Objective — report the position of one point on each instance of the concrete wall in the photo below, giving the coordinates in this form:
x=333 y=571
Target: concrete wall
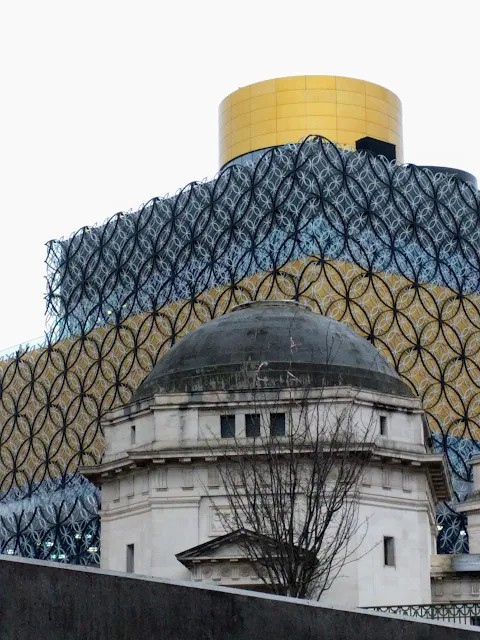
x=44 y=601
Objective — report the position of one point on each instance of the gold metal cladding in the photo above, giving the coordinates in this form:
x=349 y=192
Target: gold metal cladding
x=283 y=110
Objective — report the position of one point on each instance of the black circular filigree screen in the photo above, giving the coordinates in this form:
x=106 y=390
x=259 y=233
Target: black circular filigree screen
x=392 y=251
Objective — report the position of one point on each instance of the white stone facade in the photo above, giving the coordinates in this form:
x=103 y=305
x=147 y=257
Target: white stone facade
x=159 y=477
x=456 y=578
x=452 y=584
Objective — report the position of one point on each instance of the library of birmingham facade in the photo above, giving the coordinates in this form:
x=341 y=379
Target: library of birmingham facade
x=312 y=203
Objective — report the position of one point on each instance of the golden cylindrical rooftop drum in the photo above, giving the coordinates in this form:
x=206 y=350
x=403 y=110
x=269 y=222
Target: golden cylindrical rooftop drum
x=283 y=110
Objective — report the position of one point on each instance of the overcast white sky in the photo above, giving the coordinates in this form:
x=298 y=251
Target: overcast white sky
x=106 y=104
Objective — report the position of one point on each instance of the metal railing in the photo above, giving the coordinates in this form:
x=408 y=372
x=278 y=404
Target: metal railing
x=461 y=613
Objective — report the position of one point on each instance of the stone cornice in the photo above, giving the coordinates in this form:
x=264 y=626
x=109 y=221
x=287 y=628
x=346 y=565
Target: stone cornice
x=388 y=500
x=207 y=400
x=147 y=504
x=470 y=507
x=433 y=463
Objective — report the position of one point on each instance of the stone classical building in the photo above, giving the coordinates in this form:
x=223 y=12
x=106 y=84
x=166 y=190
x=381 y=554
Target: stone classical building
x=456 y=577
x=163 y=500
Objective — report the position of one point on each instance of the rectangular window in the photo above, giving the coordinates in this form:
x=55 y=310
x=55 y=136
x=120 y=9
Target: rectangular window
x=252 y=425
x=388 y=551
x=130 y=558
x=133 y=434
x=227 y=426
x=383 y=425
x=277 y=424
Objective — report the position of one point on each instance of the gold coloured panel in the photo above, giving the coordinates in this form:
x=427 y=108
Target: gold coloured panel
x=341 y=109
x=426 y=320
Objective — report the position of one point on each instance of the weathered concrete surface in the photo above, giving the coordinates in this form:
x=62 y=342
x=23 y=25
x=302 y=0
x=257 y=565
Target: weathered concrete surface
x=45 y=601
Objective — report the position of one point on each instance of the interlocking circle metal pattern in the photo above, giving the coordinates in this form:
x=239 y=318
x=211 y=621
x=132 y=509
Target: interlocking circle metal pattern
x=392 y=251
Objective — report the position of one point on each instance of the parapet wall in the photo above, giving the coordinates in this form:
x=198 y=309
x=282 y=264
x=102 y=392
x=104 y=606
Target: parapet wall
x=43 y=601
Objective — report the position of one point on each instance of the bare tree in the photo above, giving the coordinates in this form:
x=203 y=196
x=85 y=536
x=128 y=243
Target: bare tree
x=293 y=491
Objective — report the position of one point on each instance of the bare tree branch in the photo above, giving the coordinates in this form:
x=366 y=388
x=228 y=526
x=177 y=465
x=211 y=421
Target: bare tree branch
x=298 y=491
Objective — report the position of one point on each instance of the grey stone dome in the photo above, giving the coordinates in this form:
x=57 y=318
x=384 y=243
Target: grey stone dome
x=259 y=342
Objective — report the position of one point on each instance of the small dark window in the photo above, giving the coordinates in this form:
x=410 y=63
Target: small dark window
x=388 y=551
x=227 y=426
x=252 y=425
x=277 y=424
x=130 y=558
x=383 y=425
x=475 y=622
x=133 y=435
